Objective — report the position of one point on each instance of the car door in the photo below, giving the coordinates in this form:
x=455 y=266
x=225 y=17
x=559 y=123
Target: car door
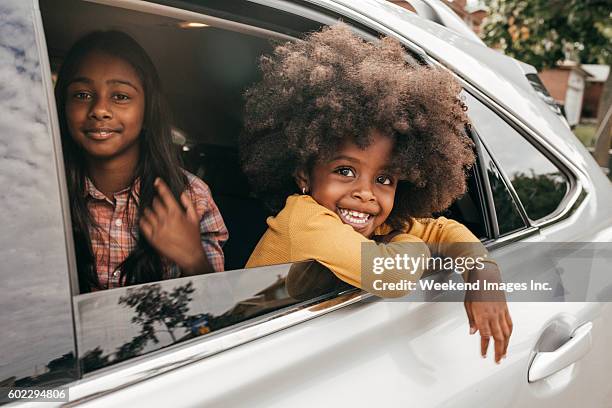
x=541 y=186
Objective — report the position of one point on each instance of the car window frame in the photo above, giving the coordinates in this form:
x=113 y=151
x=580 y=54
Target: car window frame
x=176 y=12
x=575 y=186
x=482 y=152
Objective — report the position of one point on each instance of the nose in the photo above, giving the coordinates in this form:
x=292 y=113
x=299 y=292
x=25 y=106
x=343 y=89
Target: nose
x=364 y=192
x=100 y=110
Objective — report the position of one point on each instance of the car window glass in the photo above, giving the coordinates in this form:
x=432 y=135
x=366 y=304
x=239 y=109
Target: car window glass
x=539 y=184
x=119 y=324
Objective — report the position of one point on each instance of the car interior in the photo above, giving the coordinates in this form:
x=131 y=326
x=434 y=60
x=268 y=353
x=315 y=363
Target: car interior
x=205 y=69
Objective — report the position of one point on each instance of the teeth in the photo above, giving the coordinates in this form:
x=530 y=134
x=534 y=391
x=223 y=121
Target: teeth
x=101 y=133
x=354 y=217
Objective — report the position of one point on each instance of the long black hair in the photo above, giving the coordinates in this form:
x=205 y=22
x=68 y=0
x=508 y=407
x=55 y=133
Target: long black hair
x=158 y=158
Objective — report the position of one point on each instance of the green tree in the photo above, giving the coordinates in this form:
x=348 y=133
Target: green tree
x=540 y=194
x=544 y=32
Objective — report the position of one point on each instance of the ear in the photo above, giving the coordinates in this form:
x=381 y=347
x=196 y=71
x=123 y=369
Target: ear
x=301 y=179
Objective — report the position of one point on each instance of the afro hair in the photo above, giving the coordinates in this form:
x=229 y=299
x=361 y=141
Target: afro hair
x=333 y=85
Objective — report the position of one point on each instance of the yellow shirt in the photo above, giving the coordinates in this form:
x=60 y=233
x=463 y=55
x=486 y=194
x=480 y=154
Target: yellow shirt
x=304 y=230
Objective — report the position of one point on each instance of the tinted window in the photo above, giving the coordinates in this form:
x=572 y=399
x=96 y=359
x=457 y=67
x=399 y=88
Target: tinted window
x=118 y=324
x=37 y=344
x=469 y=209
x=539 y=184
x=508 y=215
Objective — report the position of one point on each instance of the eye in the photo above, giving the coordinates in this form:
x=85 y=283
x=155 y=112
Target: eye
x=386 y=180
x=345 y=171
x=82 y=96
x=121 y=97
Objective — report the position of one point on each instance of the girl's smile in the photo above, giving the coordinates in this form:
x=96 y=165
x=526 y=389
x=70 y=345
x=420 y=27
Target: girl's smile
x=356 y=183
x=361 y=222
x=100 y=134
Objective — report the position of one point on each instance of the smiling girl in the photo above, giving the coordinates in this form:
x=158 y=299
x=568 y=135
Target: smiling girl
x=137 y=216
x=349 y=144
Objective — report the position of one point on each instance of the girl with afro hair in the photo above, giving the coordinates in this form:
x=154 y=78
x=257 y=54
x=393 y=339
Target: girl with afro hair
x=349 y=144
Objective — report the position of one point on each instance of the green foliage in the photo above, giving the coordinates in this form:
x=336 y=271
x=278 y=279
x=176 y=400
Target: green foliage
x=539 y=193
x=543 y=32
x=586 y=133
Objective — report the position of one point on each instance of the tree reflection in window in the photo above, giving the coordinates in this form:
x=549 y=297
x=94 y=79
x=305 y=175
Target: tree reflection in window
x=158 y=311
x=140 y=319
x=539 y=193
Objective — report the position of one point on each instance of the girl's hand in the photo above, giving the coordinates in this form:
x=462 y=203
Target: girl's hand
x=491 y=319
x=488 y=313
x=175 y=232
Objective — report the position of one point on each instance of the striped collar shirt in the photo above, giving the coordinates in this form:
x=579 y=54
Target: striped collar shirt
x=117 y=229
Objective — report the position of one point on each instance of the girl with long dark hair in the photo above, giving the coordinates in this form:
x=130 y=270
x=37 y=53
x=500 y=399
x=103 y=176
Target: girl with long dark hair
x=137 y=216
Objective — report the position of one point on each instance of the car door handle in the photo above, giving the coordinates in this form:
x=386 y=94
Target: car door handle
x=547 y=363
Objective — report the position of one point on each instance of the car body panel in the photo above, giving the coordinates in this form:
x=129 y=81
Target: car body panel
x=382 y=353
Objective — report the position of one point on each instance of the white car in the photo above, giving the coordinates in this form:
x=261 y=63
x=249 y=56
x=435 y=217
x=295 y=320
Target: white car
x=239 y=339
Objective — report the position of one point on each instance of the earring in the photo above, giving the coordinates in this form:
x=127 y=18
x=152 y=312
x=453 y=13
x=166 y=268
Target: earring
x=304 y=190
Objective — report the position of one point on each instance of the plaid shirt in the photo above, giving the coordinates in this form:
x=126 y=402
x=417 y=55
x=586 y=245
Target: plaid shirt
x=117 y=231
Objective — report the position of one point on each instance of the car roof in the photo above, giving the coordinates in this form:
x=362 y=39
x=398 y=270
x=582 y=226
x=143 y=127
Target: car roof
x=498 y=76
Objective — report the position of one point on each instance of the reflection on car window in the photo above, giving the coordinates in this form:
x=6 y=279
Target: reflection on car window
x=122 y=323
x=37 y=347
x=540 y=185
